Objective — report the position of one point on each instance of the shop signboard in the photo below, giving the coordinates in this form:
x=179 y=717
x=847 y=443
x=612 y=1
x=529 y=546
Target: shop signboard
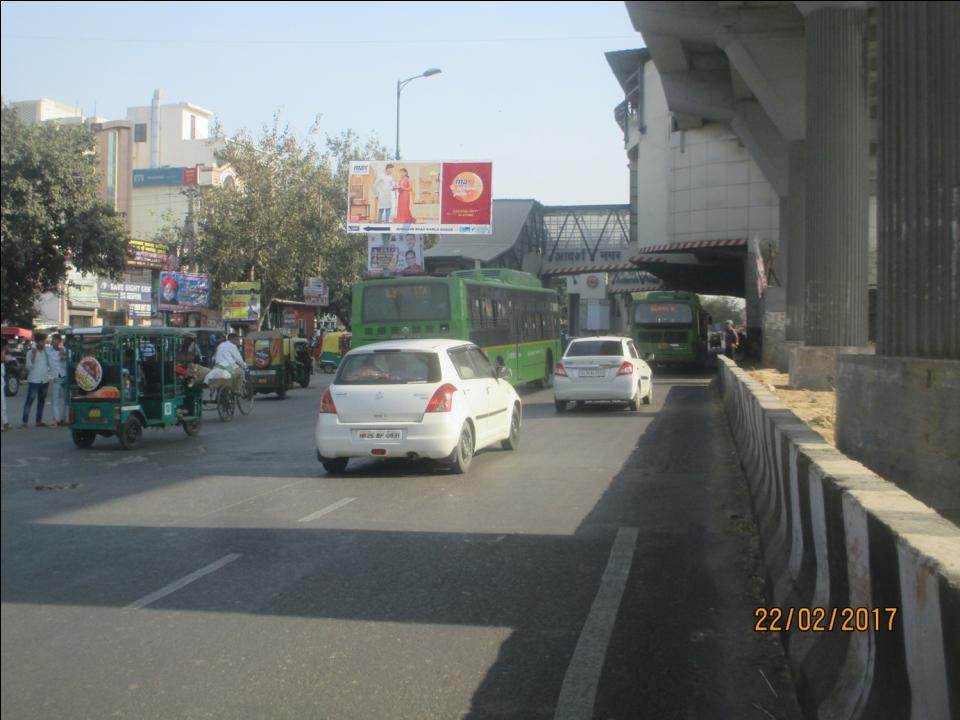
x=316 y=292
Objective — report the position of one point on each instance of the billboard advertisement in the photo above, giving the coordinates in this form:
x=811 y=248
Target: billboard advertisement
x=241 y=301
x=148 y=177
x=394 y=254
x=146 y=254
x=126 y=290
x=316 y=292
x=184 y=292
x=397 y=197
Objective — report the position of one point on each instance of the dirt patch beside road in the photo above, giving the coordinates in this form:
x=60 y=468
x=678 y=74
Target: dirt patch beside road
x=817 y=409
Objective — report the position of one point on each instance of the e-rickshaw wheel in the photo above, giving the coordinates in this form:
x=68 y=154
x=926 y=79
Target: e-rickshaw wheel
x=191 y=427
x=130 y=432
x=305 y=382
x=225 y=404
x=245 y=398
x=83 y=438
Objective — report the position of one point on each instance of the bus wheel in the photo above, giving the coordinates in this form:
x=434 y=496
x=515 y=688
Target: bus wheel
x=547 y=380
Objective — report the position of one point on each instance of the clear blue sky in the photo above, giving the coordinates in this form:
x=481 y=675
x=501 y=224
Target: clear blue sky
x=524 y=84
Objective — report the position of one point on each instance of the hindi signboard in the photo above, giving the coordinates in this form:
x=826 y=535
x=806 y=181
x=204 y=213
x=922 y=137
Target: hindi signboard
x=394 y=254
x=316 y=292
x=146 y=254
x=241 y=301
x=398 y=197
x=184 y=292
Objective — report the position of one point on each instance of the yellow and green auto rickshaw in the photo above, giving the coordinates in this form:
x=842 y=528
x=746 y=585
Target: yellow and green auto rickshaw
x=277 y=361
x=123 y=379
x=335 y=346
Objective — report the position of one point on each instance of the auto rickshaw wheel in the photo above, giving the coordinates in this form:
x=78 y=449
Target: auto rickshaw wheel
x=225 y=404
x=83 y=438
x=191 y=427
x=130 y=432
x=305 y=380
x=282 y=390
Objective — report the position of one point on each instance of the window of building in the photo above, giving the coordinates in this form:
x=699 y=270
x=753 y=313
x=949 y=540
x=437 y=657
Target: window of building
x=140 y=132
x=193 y=127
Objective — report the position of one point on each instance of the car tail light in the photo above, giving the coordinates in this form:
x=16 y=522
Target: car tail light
x=625 y=369
x=561 y=371
x=326 y=404
x=442 y=400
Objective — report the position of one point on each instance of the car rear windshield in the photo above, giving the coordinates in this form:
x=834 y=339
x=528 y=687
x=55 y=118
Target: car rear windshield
x=663 y=314
x=384 y=302
x=583 y=348
x=389 y=368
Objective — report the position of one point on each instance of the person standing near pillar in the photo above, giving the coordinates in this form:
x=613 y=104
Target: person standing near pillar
x=58 y=383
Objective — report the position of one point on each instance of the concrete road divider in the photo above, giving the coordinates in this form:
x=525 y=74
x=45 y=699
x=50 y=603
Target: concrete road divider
x=878 y=569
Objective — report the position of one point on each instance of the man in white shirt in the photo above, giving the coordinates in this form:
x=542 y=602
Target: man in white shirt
x=57 y=357
x=229 y=357
x=383 y=192
x=38 y=379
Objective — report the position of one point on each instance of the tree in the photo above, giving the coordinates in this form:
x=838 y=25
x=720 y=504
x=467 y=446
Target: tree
x=722 y=308
x=52 y=213
x=284 y=218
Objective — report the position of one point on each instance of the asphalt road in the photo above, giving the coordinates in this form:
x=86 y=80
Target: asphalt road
x=608 y=569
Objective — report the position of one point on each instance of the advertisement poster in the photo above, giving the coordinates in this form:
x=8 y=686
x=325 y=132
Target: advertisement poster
x=394 y=254
x=315 y=292
x=126 y=290
x=241 y=301
x=146 y=254
x=82 y=290
x=398 y=197
x=184 y=292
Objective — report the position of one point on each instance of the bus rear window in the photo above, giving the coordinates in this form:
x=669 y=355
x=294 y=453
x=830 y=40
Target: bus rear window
x=405 y=303
x=662 y=314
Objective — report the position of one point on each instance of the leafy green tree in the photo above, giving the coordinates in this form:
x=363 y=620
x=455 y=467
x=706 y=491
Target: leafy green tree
x=722 y=308
x=52 y=213
x=285 y=217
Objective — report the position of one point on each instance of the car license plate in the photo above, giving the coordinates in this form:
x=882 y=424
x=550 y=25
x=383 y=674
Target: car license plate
x=591 y=373
x=386 y=435
x=94 y=412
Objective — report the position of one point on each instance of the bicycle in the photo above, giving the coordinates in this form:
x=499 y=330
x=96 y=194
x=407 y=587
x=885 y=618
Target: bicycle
x=227 y=400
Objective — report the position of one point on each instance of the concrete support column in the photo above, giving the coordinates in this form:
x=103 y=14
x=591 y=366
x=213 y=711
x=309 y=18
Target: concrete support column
x=792 y=229
x=837 y=142
x=918 y=318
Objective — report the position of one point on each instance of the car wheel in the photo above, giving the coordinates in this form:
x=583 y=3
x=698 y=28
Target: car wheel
x=560 y=405
x=648 y=398
x=83 y=438
x=334 y=466
x=513 y=441
x=462 y=454
x=130 y=432
x=634 y=403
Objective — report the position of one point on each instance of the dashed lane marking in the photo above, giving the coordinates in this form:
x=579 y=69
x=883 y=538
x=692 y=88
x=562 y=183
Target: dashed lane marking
x=327 y=510
x=183 y=582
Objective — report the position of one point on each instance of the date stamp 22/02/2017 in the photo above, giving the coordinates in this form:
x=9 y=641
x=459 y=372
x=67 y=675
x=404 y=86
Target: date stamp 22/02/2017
x=818 y=619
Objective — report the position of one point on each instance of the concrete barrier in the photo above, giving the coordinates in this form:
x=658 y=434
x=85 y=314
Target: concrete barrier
x=835 y=535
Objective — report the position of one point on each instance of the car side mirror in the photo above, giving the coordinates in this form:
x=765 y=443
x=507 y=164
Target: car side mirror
x=502 y=372
x=650 y=357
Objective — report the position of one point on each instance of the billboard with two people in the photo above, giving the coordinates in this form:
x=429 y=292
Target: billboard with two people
x=393 y=196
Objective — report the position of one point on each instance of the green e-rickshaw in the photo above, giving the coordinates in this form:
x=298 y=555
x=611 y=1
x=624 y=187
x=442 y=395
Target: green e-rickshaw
x=124 y=379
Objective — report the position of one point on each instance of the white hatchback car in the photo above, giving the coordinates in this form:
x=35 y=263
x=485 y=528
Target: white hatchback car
x=439 y=399
x=607 y=368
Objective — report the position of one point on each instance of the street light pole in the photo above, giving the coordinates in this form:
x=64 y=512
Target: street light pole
x=402 y=84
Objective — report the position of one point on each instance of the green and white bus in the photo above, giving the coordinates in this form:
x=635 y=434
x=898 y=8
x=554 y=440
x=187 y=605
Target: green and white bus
x=506 y=312
x=670 y=324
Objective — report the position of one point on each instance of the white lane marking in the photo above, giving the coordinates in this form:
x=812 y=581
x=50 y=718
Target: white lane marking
x=183 y=582
x=328 y=509
x=579 y=690
x=250 y=499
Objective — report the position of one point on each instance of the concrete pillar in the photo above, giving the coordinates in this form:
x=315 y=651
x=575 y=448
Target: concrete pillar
x=792 y=229
x=837 y=143
x=836 y=203
x=913 y=441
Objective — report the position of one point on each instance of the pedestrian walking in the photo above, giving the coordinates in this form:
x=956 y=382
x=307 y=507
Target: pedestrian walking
x=731 y=340
x=58 y=384
x=4 y=357
x=38 y=379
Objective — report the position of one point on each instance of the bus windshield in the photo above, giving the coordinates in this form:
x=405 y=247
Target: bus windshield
x=663 y=314
x=406 y=302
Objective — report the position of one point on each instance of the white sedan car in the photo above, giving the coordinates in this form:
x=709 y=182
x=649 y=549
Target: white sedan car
x=607 y=369
x=439 y=399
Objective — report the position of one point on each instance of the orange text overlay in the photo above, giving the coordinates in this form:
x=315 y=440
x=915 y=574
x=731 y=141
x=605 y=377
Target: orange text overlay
x=818 y=619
